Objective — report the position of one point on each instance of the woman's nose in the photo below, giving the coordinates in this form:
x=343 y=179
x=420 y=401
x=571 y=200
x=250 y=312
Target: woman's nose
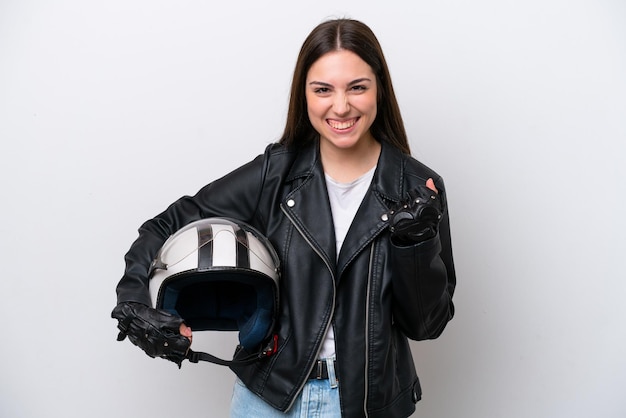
x=341 y=105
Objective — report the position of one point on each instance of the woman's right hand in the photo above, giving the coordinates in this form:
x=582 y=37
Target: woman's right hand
x=152 y=330
x=185 y=331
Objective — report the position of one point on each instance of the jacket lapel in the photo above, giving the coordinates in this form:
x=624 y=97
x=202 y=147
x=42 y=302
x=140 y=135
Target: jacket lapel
x=308 y=206
x=369 y=220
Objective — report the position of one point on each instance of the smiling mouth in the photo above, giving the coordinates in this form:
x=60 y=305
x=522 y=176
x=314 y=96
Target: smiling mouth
x=342 y=125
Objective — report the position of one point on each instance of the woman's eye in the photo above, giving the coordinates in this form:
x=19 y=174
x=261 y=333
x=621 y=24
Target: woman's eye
x=321 y=90
x=359 y=88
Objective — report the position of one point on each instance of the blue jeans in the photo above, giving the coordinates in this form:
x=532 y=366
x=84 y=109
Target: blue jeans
x=319 y=398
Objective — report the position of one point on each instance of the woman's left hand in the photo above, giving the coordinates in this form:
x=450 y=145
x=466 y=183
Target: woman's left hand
x=417 y=218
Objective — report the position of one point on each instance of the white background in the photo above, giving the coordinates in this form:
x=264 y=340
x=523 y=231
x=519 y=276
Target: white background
x=111 y=110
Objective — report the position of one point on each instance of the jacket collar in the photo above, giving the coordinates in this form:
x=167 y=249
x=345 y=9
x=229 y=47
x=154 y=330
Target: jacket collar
x=390 y=162
x=309 y=208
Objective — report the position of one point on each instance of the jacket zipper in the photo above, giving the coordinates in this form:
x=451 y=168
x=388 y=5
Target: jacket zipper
x=367 y=327
x=332 y=312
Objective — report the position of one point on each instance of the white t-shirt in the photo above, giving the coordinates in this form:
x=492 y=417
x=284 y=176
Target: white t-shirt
x=345 y=199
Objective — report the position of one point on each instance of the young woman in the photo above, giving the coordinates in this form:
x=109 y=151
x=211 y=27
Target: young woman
x=362 y=232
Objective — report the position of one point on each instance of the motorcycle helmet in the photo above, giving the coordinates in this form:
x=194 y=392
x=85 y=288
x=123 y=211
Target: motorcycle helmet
x=219 y=274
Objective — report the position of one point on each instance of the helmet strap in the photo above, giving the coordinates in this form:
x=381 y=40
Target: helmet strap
x=270 y=348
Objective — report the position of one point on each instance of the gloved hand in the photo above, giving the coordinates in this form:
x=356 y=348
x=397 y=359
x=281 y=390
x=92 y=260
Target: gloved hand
x=154 y=331
x=416 y=219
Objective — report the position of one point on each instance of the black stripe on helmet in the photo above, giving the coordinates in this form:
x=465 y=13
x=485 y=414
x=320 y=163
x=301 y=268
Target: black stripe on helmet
x=205 y=247
x=243 y=253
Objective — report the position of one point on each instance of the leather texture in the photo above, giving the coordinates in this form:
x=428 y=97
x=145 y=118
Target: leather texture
x=417 y=219
x=375 y=295
x=156 y=332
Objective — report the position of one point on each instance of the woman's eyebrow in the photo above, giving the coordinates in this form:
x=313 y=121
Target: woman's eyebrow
x=353 y=82
x=358 y=80
x=320 y=83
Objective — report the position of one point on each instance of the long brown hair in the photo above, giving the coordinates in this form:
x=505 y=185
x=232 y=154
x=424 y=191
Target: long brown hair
x=355 y=36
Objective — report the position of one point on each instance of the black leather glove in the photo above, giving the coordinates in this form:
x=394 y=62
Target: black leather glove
x=417 y=219
x=154 y=331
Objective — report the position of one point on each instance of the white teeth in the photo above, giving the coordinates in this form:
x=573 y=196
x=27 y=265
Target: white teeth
x=342 y=125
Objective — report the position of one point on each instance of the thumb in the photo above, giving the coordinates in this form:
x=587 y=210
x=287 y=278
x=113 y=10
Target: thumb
x=185 y=331
x=431 y=185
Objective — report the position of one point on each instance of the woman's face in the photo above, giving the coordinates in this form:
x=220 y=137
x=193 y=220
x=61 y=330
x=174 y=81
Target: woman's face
x=341 y=99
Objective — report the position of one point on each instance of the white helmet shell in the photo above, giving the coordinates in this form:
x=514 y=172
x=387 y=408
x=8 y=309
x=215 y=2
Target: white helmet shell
x=219 y=274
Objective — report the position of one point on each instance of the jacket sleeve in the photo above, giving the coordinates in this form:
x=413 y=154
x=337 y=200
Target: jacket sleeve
x=423 y=283
x=234 y=195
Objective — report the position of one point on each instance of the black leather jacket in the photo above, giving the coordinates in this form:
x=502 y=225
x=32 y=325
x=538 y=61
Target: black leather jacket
x=373 y=293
